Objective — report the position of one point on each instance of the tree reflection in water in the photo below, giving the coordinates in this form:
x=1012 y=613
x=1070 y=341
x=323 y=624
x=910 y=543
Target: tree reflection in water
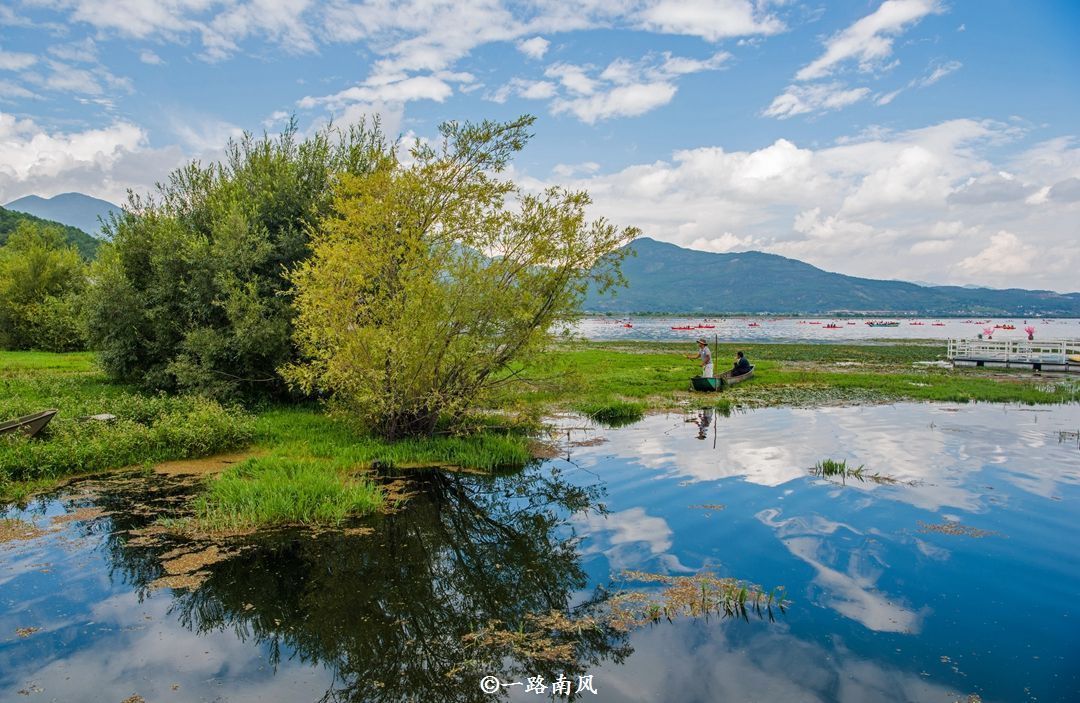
x=390 y=612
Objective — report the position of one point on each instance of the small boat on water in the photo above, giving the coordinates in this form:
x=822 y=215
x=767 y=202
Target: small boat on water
x=882 y=323
x=715 y=383
x=30 y=424
x=687 y=327
x=830 y=326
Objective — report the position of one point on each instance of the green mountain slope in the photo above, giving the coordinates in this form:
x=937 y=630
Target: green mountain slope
x=73 y=209
x=667 y=278
x=9 y=220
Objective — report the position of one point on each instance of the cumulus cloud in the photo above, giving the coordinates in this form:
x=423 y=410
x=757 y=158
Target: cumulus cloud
x=534 y=48
x=1005 y=254
x=621 y=101
x=33 y=160
x=936 y=194
x=870 y=39
x=710 y=19
x=149 y=57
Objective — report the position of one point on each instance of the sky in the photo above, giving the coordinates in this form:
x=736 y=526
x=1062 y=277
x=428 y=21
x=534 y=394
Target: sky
x=922 y=140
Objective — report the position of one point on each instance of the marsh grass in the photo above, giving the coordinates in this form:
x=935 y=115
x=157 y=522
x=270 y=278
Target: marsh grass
x=590 y=376
x=148 y=428
x=612 y=413
x=268 y=491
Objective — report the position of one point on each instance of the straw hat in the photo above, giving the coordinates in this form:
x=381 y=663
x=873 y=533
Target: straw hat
x=701 y=340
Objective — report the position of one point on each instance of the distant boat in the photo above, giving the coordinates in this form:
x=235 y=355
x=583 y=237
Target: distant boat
x=30 y=424
x=687 y=327
x=882 y=323
x=830 y=326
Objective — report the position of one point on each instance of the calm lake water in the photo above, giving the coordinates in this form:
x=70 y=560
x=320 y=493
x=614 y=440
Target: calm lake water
x=959 y=577
x=767 y=329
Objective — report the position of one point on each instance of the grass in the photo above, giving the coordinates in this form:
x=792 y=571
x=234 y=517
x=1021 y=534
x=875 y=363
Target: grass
x=590 y=377
x=266 y=491
x=147 y=428
x=307 y=458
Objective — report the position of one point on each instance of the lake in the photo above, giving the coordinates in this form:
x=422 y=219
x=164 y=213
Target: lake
x=814 y=329
x=945 y=569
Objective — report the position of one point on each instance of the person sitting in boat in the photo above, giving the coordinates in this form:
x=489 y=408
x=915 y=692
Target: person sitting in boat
x=741 y=365
x=705 y=356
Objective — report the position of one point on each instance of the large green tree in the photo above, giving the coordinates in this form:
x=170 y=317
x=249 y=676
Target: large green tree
x=432 y=277
x=192 y=292
x=41 y=277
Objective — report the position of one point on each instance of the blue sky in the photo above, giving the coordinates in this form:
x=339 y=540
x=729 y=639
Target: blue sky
x=917 y=139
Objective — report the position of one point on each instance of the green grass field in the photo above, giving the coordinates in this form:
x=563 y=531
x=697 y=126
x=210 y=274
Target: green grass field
x=311 y=468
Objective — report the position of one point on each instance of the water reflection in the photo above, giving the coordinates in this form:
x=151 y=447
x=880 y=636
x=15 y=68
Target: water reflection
x=386 y=612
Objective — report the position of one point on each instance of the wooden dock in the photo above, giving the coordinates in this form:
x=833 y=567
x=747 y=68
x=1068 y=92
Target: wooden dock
x=1038 y=355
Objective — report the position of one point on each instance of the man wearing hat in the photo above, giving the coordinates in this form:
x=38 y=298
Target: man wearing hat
x=705 y=355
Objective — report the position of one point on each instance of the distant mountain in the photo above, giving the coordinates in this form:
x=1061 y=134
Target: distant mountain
x=87 y=245
x=73 y=209
x=667 y=278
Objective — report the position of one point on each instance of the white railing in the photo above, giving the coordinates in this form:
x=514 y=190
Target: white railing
x=1018 y=350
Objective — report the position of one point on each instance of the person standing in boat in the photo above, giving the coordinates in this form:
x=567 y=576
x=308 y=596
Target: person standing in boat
x=705 y=356
x=741 y=365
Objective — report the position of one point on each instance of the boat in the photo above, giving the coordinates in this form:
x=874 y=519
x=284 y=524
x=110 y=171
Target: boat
x=706 y=327
x=29 y=424
x=882 y=323
x=753 y=324
x=715 y=383
x=830 y=326
x=688 y=327
x=729 y=380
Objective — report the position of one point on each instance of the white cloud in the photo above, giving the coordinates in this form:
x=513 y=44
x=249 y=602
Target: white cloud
x=870 y=39
x=33 y=160
x=385 y=90
x=16 y=61
x=621 y=101
x=534 y=48
x=801 y=99
x=940 y=72
x=624 y=88
x=710 y=19
x=1006 y=255
x=571 y=77
x=149 y=57
x=9 y=90
x=935 y=194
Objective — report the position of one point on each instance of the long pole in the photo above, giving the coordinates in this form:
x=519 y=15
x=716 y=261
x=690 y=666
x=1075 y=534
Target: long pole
x=712 y=354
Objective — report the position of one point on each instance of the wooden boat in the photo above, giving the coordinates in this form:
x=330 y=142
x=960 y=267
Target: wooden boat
x=715 y=383
x=30 y=424
x=729 y=380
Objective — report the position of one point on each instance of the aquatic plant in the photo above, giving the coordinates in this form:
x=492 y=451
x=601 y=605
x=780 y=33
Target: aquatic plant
x=827 y=468
x=614 y=412
x=265 y=491
x=703 y=595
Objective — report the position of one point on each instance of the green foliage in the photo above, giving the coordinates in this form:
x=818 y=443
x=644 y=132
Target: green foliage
x=424 y=286
x=10 y=220
x=41 y=277
x=192 y=293
x=613 y=412
x=267 y=491
x=148 y=428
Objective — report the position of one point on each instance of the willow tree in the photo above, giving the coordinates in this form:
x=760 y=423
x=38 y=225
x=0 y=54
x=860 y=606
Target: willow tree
x=434 y=276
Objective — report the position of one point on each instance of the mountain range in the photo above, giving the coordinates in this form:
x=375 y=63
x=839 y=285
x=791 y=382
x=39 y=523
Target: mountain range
x=73 y=209
x=665 y=278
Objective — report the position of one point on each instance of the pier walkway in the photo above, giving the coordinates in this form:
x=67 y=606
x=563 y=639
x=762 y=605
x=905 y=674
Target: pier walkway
x=1039 y=355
